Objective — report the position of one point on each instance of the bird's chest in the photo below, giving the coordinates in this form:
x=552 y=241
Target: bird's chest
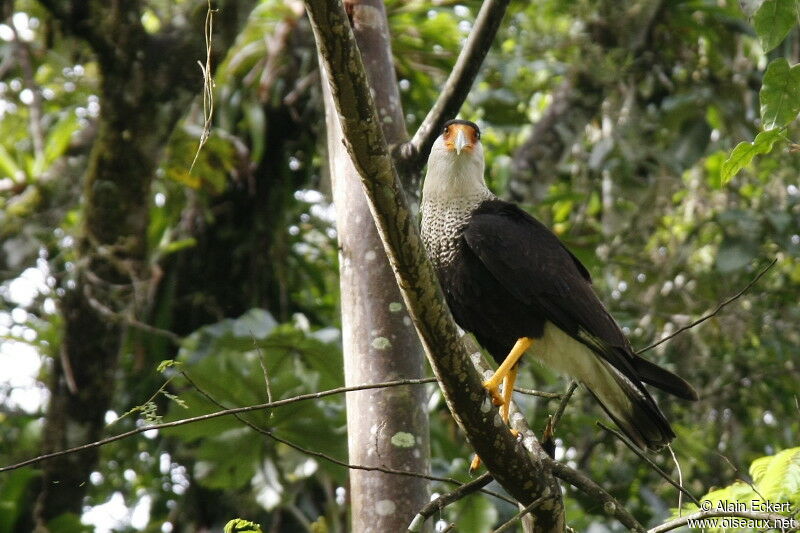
x=443 y=224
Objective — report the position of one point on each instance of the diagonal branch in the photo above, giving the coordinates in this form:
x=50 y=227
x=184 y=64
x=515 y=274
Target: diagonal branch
x=446 y=499
x=458 y=84
x=716 y=310
x=523 y=475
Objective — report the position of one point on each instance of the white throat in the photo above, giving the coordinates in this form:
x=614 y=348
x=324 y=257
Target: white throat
x=452 y=177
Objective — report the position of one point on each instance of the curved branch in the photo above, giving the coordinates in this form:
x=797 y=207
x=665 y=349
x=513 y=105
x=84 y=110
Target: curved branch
x=216 y=414
x=455 y=91
x=716 y=310
x=524 y=475
x=588 y=486
x=446 y=499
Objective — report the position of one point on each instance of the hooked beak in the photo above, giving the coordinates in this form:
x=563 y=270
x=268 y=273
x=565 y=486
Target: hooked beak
x=461 y=141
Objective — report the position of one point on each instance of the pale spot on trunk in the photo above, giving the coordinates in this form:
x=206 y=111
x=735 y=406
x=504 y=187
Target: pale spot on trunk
x=385 y=507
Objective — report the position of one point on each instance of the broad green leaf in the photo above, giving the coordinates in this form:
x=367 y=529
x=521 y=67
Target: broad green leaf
x=778 y=476
x=743 y=154
x=780 y=94
x=773 y=20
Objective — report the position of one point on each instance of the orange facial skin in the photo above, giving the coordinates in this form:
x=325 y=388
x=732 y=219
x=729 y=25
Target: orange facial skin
x=451 y=133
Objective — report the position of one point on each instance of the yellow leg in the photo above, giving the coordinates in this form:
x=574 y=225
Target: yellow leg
x=493 y=383
x=505 y=409
x=508 y=391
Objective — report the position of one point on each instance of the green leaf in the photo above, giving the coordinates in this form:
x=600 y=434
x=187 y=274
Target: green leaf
x=9 y=167
x=240 y=525
x=778 y=476
x=58 y=138
x=773 y=20
x=743 y=154
x=780 y=94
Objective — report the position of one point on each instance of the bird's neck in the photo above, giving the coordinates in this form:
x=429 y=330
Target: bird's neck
x=453 y=188
x=454 y=178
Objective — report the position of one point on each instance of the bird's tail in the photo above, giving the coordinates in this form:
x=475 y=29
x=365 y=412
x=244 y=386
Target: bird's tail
x=630 y=406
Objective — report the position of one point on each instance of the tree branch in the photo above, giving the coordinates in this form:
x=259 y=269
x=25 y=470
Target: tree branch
x=524 y=475
x=658 y=470
x=415 y=152
x=446 y=499
x=716 y=310
x=216 y=414
x=588 y=486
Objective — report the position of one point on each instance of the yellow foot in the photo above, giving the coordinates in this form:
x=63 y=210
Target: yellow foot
x=475 y=464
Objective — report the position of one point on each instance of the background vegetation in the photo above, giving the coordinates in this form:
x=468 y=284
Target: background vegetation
x=613 y=122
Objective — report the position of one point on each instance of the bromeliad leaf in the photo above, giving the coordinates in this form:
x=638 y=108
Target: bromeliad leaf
x=779 y=96
x=773 y=20
x=743 y=154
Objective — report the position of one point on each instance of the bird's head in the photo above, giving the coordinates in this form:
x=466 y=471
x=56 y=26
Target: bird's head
x=455 y=166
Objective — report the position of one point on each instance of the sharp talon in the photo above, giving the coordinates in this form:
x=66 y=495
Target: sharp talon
x=514 y=432
x=475 y=464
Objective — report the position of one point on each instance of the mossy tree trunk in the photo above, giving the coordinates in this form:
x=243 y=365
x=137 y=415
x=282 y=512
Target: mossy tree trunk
x=147 y=83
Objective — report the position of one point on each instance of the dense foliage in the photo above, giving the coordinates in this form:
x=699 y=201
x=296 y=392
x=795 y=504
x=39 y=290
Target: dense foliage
x=673 y=178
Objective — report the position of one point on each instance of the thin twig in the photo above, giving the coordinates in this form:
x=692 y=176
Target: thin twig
x=635 y=449
x=588 y=486
x=217 y=414
x=741 y=478
x=322 y=455
x=458 y=83
x=208 y=83
x=508 y=525
x=446 y=499
x=563 y=405
x=716 y=310
x=780 y=522
x=540 y=394
x=680 y=478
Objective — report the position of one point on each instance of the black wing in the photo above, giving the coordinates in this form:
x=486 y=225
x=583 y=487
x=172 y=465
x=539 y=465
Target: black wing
x=535 y=267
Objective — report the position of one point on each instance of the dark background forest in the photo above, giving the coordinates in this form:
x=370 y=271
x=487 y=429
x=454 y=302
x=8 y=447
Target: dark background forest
x=124 y=243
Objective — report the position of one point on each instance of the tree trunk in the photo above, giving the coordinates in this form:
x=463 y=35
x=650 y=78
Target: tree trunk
x=143 y=94
x=386 y=427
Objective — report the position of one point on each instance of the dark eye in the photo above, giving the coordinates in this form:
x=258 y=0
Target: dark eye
x=444 y=131
x=478 y=135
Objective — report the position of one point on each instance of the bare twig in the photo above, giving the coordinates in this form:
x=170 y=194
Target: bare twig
x=588 y=486
x=776 y=521
x=217 y=414
x=446 y=499
x=508 y=525
x=563 y=405
x=680 y=477
x=208 y=83
x=458 y=83
x=540 y=394
x=635 y=449
x=325 y=456
x=716 y=310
